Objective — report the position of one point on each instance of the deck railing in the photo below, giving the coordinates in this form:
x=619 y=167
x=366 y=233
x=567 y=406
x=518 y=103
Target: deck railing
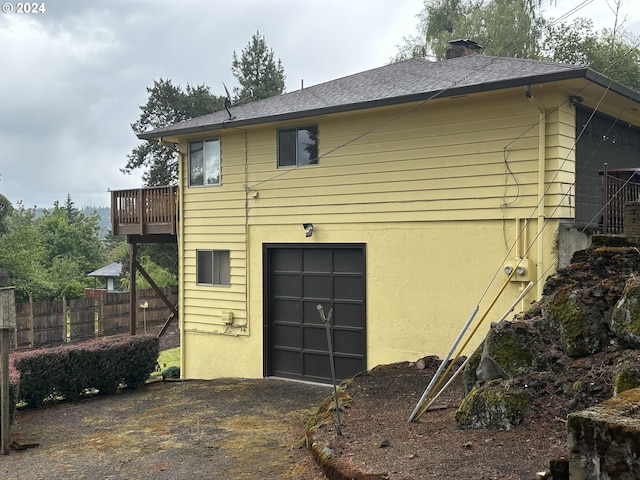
x=144 y=211
x=619 y=186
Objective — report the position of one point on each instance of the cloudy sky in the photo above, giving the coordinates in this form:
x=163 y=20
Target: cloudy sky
x=73 y=77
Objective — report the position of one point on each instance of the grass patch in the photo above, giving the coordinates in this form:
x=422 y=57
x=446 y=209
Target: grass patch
x=166 y=359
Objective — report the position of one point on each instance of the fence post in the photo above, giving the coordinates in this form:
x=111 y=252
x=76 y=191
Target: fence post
x=32 y=327
x=64 y=320
x=7 y=321
x=103 y=299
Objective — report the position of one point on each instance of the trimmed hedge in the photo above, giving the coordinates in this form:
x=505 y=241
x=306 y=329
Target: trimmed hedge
x=70 y=370
x=14 y=382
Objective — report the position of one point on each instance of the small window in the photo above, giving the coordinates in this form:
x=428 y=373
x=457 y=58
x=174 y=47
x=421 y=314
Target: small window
x=204 y=163
x=212 y=267
x=298 y=147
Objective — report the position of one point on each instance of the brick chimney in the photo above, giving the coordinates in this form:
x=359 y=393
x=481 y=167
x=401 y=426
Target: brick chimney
x=462 y=48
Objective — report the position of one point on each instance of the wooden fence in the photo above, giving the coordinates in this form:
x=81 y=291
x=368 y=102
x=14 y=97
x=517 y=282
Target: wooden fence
x=46 y=324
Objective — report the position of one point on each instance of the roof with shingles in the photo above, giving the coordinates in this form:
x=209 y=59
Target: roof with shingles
x=112 y=270
x=408 y=81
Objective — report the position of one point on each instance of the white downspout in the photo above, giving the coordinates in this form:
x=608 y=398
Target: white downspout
x=542 y=156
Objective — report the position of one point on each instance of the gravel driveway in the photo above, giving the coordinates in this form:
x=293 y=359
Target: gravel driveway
x=231 y=429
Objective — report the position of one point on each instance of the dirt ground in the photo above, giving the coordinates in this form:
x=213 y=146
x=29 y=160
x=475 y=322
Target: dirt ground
x=254 y=429
x=227 y=429
x=378 y=442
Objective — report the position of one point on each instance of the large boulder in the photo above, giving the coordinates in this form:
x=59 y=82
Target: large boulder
x=625 y=319
x=514 y=347
x=491 y=406
x=626 y=372
x=579 y=326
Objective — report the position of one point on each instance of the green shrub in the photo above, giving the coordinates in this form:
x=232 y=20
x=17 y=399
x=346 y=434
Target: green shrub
x=14 y=380
x=70 y=370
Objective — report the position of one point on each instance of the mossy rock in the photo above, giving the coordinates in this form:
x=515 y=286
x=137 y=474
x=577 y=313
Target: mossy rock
x=626 y=373
x=625 y=319
x=514 y=346
x=579 y=328
x=492 y=407
x=469 y=377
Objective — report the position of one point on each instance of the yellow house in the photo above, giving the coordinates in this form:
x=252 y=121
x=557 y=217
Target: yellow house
x=397 y=198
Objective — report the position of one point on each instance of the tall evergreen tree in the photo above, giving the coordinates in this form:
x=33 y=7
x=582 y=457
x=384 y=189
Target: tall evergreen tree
x=258 y=74
x=167 y=104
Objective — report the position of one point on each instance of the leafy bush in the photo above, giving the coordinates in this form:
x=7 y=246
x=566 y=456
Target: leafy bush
x=70 y=370
x=14 y=380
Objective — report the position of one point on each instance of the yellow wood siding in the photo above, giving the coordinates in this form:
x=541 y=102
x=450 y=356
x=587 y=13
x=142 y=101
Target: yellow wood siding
x=472 y=160
x=446 y=156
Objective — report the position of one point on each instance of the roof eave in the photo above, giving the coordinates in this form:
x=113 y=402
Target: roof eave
x=569 y=74
x=612 y=85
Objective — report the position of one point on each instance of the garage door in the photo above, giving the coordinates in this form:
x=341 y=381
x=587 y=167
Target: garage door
x=297 y=280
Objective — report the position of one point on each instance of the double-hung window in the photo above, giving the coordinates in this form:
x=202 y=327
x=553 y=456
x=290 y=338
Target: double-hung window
x=204 y=162
x=298 y=146
x=213 y=267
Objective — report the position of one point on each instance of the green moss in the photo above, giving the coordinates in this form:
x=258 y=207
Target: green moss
x=625 y=380
x=626 y=317
x=514 y=356
x=493 y=408
x=580 y=333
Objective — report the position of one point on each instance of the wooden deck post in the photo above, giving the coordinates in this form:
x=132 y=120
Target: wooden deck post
x=133 y=304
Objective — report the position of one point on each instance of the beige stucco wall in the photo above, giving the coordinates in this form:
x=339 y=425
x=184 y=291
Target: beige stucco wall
x=423 y=281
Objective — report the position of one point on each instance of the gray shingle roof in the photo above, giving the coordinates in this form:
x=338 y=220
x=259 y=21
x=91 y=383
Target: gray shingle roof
x=412 y=80
x=112 y=270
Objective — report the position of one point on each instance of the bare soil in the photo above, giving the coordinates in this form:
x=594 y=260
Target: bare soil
x=226 y=429
x=378 y=442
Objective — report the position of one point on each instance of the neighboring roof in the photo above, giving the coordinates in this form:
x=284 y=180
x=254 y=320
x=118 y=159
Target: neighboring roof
x=112 y=270
x=408 y=81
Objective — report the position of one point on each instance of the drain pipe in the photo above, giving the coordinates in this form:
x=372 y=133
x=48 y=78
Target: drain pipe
x=542 y=156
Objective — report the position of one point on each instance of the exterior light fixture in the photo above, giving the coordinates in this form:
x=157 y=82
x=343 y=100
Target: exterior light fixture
x=308 y=229
x=144 y=305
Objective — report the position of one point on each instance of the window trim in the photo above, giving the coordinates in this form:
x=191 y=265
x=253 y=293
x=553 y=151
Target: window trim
x=296 y=130
x=213 y=251
x=203 y=141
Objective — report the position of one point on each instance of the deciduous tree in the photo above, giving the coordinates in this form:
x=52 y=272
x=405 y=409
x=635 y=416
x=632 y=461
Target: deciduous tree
x=612 y=52
x=511 y=28
x=23 y=256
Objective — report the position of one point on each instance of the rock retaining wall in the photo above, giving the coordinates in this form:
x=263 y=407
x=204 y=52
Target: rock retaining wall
x=604 y=440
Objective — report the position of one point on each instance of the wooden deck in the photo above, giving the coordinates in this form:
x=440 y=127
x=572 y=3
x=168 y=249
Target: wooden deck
x=144 y=212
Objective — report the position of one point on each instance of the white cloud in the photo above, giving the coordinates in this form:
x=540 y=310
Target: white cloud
x=73 y=78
